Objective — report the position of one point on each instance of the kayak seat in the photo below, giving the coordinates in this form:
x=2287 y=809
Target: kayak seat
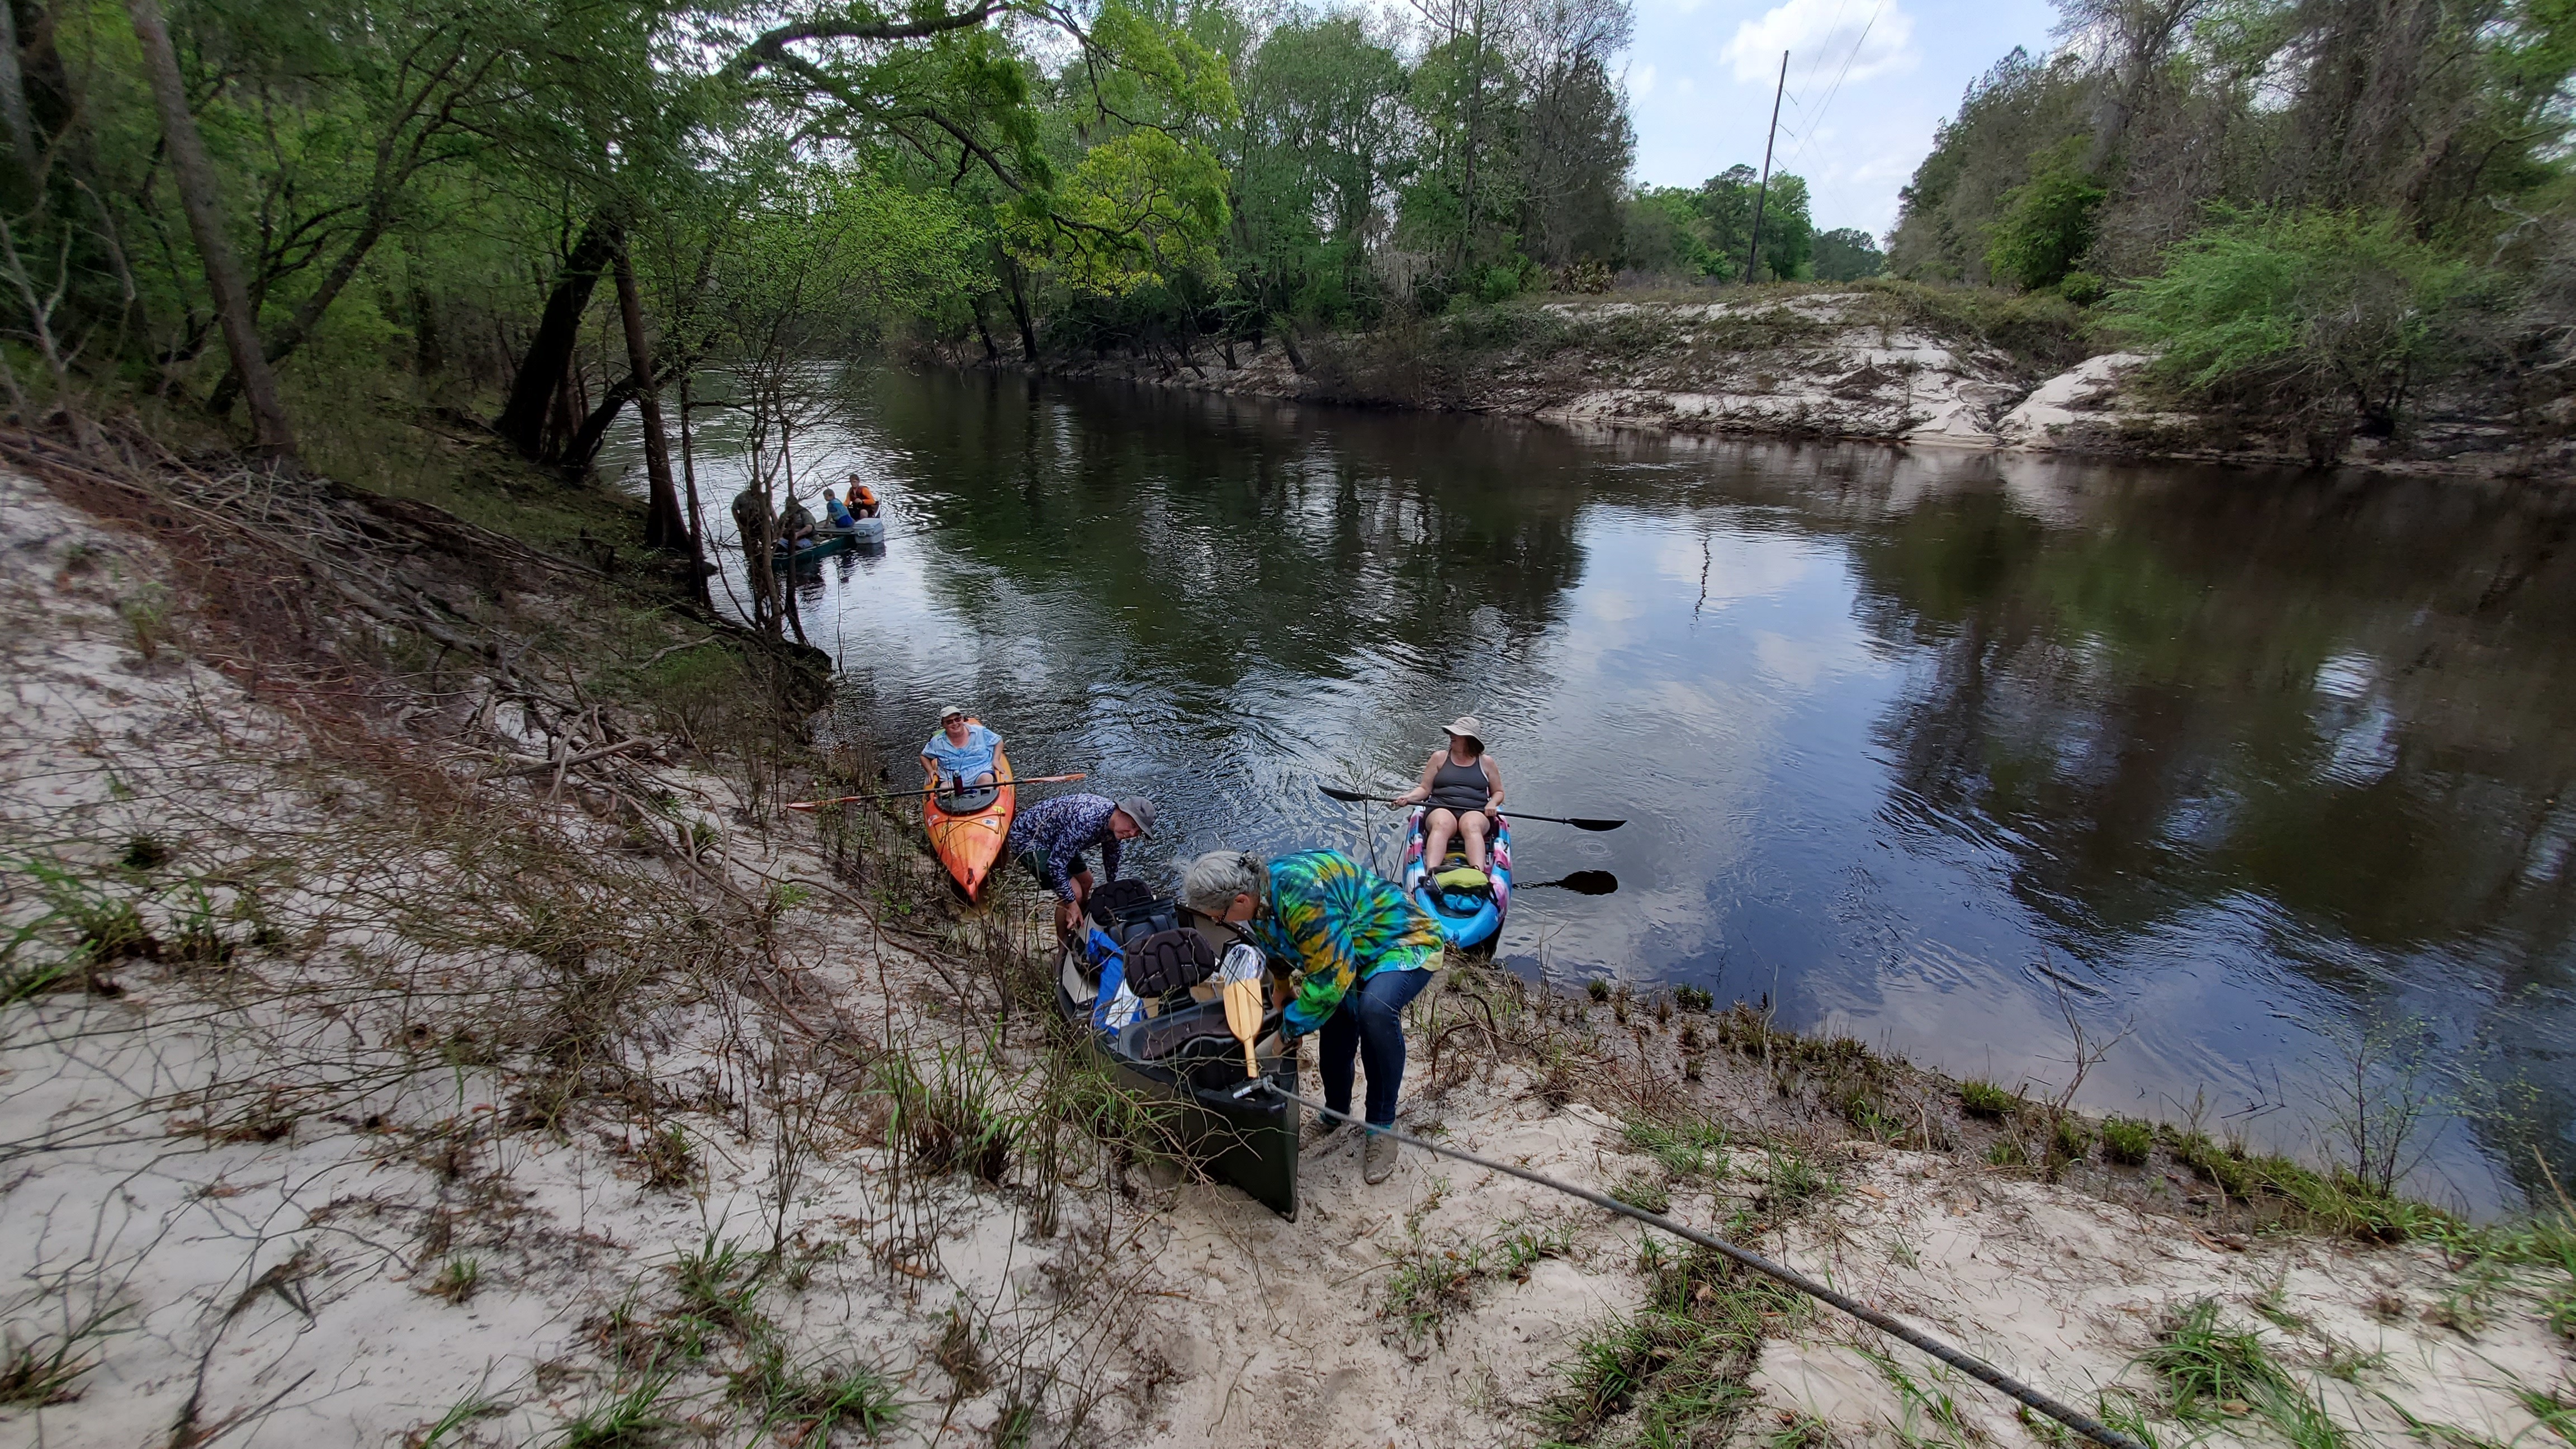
x=969 y=802
x=1122 y=901
x=1196 y=1030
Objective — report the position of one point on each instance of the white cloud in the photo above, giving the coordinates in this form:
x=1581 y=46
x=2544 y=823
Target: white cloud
x=1822 y=37
x=1641 y=81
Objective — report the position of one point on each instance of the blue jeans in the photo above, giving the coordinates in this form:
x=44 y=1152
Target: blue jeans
x=1369 y=1025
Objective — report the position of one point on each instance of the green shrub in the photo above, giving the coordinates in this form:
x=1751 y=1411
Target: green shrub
x=2334 y=317
x=1691 y=998
x=2126 y=1140
x=2081 y=288
x=2074 y=1137
x=1985 y=1099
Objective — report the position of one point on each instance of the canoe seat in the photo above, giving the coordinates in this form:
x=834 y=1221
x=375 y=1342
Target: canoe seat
x=1196 y=1030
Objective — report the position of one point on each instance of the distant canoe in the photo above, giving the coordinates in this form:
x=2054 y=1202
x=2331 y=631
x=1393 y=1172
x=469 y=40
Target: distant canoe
x=869 y=533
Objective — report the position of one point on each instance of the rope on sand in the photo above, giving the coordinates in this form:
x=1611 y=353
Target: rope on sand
x=1965 y=1362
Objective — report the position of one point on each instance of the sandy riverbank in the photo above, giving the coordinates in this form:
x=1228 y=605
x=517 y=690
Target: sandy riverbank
x=376 y=1075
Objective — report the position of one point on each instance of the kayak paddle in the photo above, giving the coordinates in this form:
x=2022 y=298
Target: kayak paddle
x=1243 y=1001
x=1578 y=822
x=1582 y=883
x=933 y=790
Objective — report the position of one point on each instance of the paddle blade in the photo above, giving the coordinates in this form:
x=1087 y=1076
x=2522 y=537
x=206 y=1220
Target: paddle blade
x=1243 y=1018
x=1596 y=824
x=1353 y=796
x=1591 y=883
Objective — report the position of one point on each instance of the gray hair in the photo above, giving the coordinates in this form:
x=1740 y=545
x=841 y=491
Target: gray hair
x=1210 y=883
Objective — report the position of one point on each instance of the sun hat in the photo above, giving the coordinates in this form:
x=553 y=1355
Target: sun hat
x=1468 y=725
x=947 y=711
x=1140 y=810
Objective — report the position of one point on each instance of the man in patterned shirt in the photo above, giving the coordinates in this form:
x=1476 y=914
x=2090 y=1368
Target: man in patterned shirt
x=1049 y=838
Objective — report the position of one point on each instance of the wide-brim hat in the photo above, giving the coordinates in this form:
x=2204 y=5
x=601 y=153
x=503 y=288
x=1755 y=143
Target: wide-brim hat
x=1140 y=810
x=1468 y=725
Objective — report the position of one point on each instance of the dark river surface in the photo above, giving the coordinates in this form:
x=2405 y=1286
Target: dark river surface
x=1929 y=747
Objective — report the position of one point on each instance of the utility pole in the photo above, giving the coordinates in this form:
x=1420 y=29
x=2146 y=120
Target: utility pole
x=1759 y=192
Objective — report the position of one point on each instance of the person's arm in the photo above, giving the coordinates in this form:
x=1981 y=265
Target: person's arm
x=1421 y=790
x=1493 y=786
x=1057 y=860
x=930 y=767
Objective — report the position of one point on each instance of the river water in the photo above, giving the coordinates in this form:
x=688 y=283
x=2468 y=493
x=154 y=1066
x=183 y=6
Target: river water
x=1932 y=748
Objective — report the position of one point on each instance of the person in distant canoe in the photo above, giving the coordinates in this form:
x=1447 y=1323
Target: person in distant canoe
x=1464 y=788
x=751 y=515
x=863 y=499
x=1362 y=950
x=796 y=522
x=1049 y=838
x=960 y=756
x=839 y=512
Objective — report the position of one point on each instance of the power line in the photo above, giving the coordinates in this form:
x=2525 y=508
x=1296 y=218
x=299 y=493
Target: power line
x=1967 y=1363
x=1836 y=88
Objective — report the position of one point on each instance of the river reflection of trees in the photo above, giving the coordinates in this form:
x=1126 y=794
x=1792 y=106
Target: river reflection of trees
x=1223 y=536
x=2351 y=704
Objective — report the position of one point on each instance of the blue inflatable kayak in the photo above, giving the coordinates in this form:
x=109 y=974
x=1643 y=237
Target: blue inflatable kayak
x=1470 y=911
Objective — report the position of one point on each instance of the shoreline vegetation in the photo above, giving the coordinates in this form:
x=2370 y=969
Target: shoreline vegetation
x=424 y=1024
x=1880 y=361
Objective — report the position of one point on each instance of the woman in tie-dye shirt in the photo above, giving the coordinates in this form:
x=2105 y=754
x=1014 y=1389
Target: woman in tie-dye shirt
x=1362 y=950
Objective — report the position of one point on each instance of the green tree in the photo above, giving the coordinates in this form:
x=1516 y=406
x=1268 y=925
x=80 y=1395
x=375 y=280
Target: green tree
x=2334 y=318
x=1847 y=254
x=2045 y=224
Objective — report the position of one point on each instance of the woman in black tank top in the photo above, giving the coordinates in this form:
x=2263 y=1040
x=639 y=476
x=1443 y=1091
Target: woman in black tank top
x=1464 y=788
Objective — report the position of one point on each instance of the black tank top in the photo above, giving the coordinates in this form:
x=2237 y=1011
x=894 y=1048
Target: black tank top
x=1460 y=787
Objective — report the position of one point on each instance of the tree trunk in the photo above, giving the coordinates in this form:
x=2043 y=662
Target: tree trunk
x=1020 y=314
x=565 y=426
x=292 y=335
x=13 y=108
x=271 y=434
x=664 y=528
x=689 y=478
x=532 y=394
x=991 y=352
x=586 y=437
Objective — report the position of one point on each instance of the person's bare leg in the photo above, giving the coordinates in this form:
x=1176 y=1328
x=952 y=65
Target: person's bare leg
x=1472 y=825
x=1437 y=827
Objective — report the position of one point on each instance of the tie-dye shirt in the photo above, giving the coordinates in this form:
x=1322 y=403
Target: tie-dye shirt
x=1339 y=924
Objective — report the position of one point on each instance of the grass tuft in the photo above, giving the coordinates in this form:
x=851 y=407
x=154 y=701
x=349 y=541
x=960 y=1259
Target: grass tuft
x=1985 y=1099
x=2127 y=1141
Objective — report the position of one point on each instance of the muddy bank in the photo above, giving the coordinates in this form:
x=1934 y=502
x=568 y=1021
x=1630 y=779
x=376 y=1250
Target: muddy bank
x=384 y=1063
x=1882 y=362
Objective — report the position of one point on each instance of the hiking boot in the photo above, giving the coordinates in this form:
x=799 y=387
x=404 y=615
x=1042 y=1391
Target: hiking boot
x=1321 y=1129
x=1378 y=1163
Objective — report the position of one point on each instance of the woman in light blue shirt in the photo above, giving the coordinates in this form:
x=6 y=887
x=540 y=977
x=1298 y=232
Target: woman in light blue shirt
x=960 y=756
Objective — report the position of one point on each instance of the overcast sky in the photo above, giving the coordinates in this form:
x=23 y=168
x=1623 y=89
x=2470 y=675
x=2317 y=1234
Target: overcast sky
x=1868 y=80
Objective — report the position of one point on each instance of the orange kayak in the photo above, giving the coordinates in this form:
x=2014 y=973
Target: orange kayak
x=969 y=844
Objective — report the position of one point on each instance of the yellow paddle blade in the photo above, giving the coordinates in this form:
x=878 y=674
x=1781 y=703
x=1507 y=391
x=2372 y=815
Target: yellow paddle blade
x=1243 y=1017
